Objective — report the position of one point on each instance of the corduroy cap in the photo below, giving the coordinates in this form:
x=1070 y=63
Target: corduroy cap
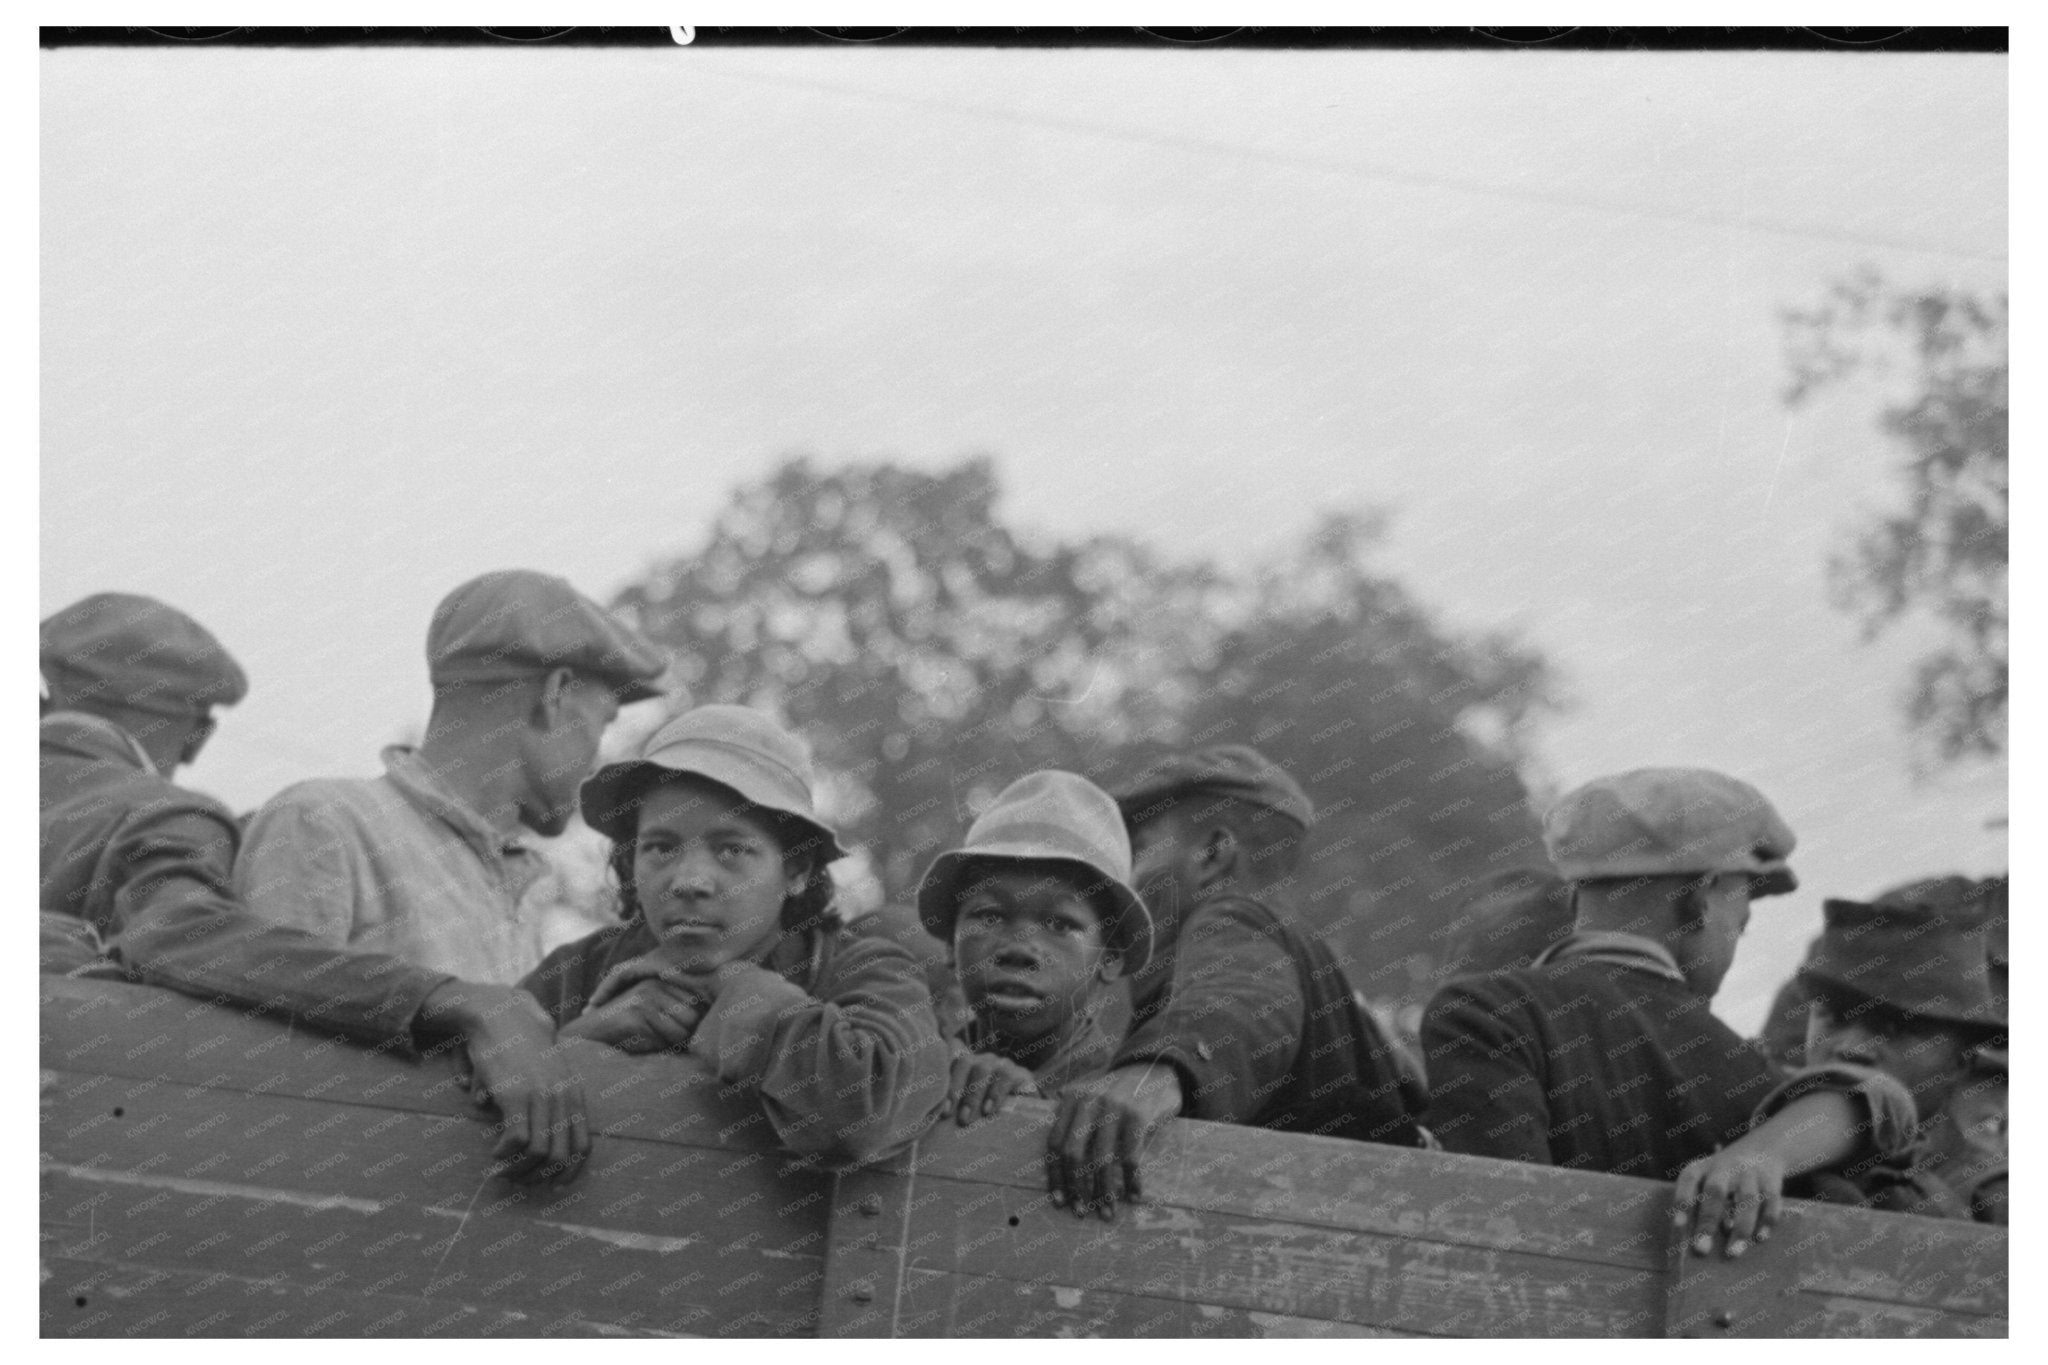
x=1662 y=822
x=1237 y=771
x=515 y=622
x=1048 y=816
x=734 y=746
x=1918 y=951
x=131 y=650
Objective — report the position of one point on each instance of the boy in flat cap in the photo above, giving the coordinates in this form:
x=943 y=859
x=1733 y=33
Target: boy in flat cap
x=1904 y=1041
x=431 y=862
x=129 y=855
x=1241 y=1015
x=1603 y=1054
x=1038 y=909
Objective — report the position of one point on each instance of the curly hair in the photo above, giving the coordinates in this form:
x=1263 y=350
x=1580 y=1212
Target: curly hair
x=814 y=907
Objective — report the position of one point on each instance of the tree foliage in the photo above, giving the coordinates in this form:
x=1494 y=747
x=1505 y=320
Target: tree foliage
x=932 y=654
x=1942 y=557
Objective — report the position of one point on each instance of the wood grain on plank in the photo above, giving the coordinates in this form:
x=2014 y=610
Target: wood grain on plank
x=1275 y=1266
x=937 y=1304
x=84 y=1299
x=1329 y=1182
x=1833 y=1271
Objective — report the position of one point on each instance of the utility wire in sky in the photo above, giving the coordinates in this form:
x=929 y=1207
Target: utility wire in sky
x=1825 y=232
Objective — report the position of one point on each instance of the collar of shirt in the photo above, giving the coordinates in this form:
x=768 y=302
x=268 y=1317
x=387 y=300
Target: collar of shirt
x=419 y=785
x=1609 y=945
x=98 y=736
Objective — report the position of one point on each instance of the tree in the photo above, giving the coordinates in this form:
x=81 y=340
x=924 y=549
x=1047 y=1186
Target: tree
x=1943 y=556
x=933 y=654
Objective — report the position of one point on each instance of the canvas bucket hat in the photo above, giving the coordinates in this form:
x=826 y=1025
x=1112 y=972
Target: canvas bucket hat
x=1049 y=816
x=1919 y=951
x=734 y=746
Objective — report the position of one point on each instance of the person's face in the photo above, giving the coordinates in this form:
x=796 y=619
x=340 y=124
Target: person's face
x=564 y=753
x=1922 y=1056
x=709 y=875
x=1028 y=947
x=1709 y=951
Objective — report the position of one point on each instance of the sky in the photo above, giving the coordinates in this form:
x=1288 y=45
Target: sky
x=325 y=333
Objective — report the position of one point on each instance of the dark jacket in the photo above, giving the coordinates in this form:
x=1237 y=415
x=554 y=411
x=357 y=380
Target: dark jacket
x=1587 y=1062
x=1928 y=1167
x=1087 y=1048
x=836 y=1034
x=149 y=866
x=1264 y=1030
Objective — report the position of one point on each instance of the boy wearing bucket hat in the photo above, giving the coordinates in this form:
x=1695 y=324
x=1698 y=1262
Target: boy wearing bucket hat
x=433 y=861
x=734 y=950
x=1241 y=1015
x=1604 y=1054
x=128 y=854
x=1038 y=909
x=1904 y=1037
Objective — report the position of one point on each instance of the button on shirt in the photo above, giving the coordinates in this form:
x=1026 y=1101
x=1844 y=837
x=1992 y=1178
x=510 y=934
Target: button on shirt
x=397 y=864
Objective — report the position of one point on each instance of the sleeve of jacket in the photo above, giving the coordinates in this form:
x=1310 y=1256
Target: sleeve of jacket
x=177 y=923
x=849 y=1071
x=566 y=978
x=1486 y=1092
x=1889 y=1115
x=1233 y=1024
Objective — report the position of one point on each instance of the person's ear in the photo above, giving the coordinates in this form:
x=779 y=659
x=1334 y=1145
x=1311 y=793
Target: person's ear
x=1110 y=967
x=551 y=703
x=1217 y=858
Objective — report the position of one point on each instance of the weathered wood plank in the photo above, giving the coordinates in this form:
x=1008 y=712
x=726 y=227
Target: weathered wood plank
x=1329 y=1182
x=382 y=1202
x=118 y=1030
x=1831 y=1271
x=1297 y=1270
x=83 y=1299
x=937 y=1304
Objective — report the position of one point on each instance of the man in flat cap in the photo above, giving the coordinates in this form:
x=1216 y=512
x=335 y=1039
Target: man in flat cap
x=1241 y=1015
x=132 y=858
x=1603 y=1054
x=432 y=861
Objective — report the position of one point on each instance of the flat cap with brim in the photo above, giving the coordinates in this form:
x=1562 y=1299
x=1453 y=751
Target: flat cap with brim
x=1920 y=959
x=130 y=650
x=1664 y=822
x=1049 y=817
x=514 y=623
x=1237 y=771
x=735 y=746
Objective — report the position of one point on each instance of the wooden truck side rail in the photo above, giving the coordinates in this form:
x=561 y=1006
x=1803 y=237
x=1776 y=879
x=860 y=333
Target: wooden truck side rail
x=209 y=1173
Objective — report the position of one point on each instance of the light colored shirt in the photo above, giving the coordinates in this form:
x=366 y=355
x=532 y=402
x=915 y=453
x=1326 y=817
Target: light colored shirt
x=398 y=864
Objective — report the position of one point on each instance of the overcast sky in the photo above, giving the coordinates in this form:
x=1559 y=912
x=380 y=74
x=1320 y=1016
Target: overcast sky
x=325 y=333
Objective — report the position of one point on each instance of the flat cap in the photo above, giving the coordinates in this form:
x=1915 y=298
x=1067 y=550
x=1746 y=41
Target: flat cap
x=515 y=622
x=131 y=650
x=1237 y=771
x=1661 y=822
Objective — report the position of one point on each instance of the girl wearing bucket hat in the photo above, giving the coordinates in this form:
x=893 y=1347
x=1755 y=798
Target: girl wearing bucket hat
x=733 y=949
x=1038 y=908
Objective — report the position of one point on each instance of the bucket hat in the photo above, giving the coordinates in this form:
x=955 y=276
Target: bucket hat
x=1919 y=951
x=1049 y=816
x=734 y=746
